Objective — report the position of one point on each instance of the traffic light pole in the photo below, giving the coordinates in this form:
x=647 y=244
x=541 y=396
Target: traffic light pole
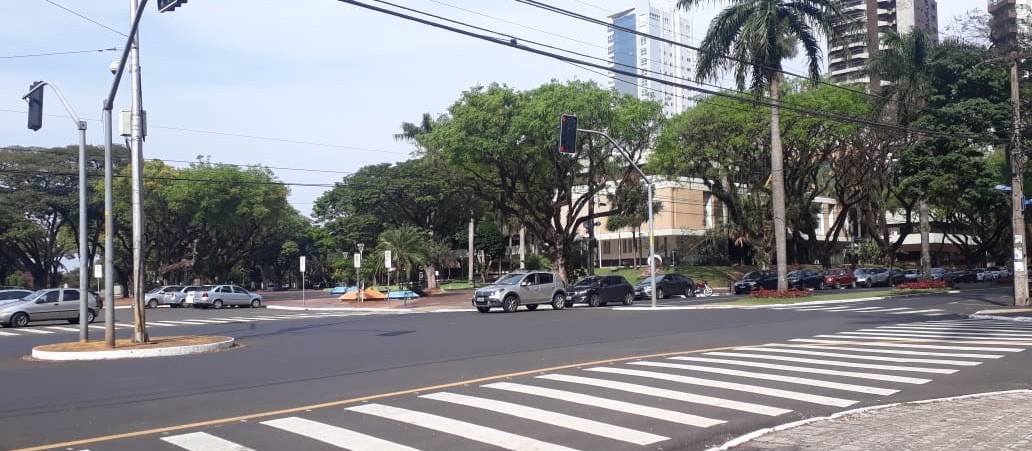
x=649 y=186
x=84 y=331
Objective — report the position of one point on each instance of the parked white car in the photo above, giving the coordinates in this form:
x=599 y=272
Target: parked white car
x=218 y=296
x=48 y=305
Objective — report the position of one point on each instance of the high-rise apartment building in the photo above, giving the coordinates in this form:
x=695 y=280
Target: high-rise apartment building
x=1010 y=22
x=846 y=58
x=633 y=54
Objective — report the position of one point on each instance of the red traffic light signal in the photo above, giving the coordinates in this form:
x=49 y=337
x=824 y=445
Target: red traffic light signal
x=568 y=134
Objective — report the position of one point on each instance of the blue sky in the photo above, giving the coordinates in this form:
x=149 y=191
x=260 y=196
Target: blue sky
x=315 y=89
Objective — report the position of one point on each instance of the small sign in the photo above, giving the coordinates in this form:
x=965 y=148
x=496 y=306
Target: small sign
x=1017 y=254
x=387 y=258
x=1017 y=239
x=302 y=263
x=358 y=260
x=98 y=271
x=1019 y=267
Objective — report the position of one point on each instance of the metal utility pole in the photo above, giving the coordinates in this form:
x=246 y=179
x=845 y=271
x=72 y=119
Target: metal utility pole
x=139 y=314
x=109 y=229
x=35 y=99
x=1017 y=194
x=470 y=251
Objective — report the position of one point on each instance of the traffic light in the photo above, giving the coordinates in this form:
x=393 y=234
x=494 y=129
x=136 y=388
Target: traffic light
x=35 y=99
x=568 y=134
x=169 y=5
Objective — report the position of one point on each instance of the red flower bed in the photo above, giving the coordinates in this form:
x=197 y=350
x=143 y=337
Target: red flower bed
x=780 y=294
x=922 y=285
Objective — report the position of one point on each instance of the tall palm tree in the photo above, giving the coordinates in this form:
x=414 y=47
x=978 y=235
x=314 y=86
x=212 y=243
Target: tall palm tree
x=753 y=37
x=904 y=62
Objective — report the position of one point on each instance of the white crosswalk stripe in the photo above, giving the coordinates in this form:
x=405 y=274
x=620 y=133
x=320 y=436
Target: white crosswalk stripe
x=895 y=351
x=670 y=394
x=607 y=403
x=333 y=435
x=559 y=419
x=202 y=441
x=952 y=331
x=2 y=333
x=968 y=337
x=788 y=394
x=913 y=369
x=860 y=357
x=64 y=328
x=36 y=331
x=772 y=377
x=476 y=432
x=805 y=369
x=913 y=339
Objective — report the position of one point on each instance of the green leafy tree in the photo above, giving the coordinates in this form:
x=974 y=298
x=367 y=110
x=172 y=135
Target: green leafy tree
x=408 y=249
x=500 y=145
x=759 y=35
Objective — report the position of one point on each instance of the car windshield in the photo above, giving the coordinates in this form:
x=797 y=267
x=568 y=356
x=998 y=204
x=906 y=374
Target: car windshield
x=155 y=290
x=757 y=275
x=35 y=294
x=587 y=281
x=648 y=280
x=510 y=279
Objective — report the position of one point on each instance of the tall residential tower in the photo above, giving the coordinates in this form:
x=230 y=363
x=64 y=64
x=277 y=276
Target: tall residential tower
x=644 y=55
x=1010 y=22
x=846 y=59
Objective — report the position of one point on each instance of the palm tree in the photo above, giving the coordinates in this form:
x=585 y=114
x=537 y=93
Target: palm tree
x=753 y=37
x=407 y=245
x=415 y=133
x=904 y=63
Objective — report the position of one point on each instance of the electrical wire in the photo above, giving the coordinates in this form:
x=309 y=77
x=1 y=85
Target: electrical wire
x=84 y=17
x=32 y=55
x=513 y=42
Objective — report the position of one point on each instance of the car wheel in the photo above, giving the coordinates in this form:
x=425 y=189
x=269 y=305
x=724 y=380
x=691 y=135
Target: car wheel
x=838 y=285
x=558 y=301
x=820 y=285
x=153 y=303
x=628 y=298
x=19 y=319
x=182 y=303
x=255 y=303
x=532 y=307
x=868 y=283
x=91 y=316
x=660 y=294
x=216 y=304
x=483 y=309
x=852 y=284
x=594 y=300
x=510 y=304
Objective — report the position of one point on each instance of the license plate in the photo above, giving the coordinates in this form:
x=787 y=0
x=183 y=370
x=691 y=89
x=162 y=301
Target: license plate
x=481 y=300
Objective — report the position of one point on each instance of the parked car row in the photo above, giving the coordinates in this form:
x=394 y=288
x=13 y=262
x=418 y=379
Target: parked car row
x=819 y=280
x=533 y=288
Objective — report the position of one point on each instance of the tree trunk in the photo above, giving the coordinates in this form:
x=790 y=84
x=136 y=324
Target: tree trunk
x=777 y=173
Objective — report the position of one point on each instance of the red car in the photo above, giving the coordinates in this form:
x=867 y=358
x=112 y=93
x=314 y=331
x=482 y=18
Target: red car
x=838 y=278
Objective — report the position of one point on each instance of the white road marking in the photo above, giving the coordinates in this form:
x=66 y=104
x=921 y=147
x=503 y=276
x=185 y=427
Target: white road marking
x=872 y=366
x=495 y=437
x=552 y=418
x=778 y=393
x=772 y=377
x=606 y=403
x=805 y=369
x=671 y=394
x=333 y=435
x=896 y=351
x=202 y=441
x=862 y=357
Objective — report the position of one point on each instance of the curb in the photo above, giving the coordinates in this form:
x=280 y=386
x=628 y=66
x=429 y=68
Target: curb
x=41 y=353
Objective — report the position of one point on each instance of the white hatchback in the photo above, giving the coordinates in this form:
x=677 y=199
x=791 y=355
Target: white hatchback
x=218 y=296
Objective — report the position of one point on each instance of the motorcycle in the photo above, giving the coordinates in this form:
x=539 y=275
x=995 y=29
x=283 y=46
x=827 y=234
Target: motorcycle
x=702 y=289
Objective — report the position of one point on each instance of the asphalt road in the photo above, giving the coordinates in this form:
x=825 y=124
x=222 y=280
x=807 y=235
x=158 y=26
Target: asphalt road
x=410 y=379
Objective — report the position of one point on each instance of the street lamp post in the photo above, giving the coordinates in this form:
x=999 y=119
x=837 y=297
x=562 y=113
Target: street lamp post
x=358 y=276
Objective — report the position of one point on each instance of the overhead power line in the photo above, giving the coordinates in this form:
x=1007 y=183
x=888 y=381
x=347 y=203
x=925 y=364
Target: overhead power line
x=84 y=17
x=32 y=55
x=742 y=97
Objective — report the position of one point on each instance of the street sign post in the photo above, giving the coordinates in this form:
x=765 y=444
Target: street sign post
x=303 y=281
